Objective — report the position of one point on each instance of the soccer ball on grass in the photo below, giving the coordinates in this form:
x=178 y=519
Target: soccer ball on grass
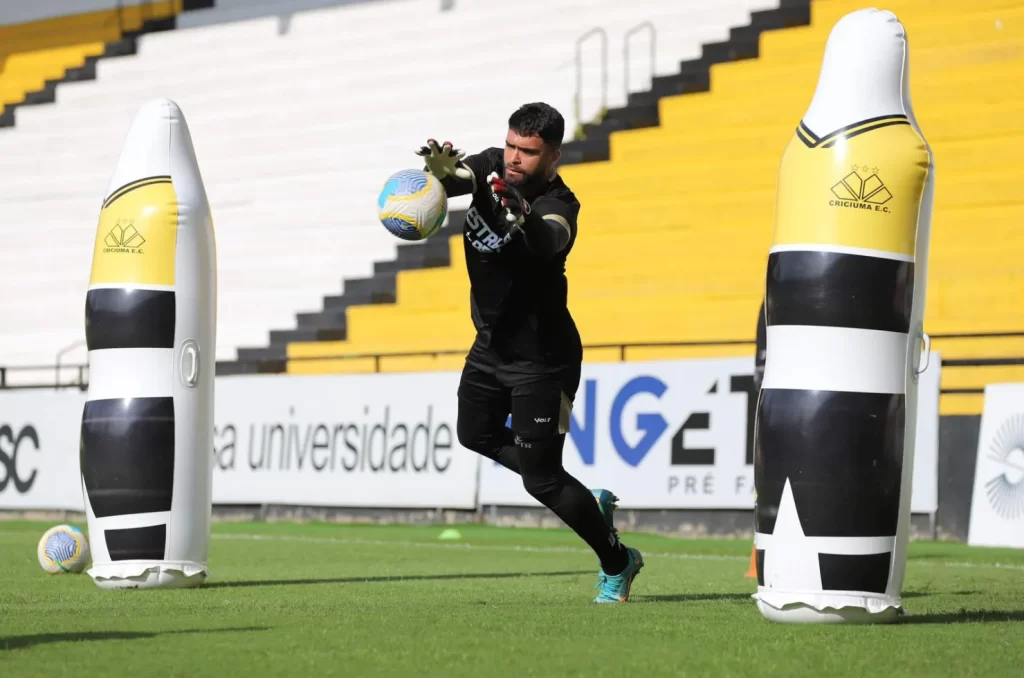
x=63 y=549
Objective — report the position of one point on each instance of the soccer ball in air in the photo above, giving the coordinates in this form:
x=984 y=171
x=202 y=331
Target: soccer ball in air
x=412 y=205
x=63 y=548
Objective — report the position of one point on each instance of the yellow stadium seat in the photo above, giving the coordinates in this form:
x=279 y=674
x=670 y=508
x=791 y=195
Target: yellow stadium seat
x=975 y=377
x=963 y=385
x=424 y=363
x=961 y=404
x=32 y=53
x=344 y=365
x=602 y=354
x=967 y=347
x=736 y=350
x=957 y=377
x=675 y=227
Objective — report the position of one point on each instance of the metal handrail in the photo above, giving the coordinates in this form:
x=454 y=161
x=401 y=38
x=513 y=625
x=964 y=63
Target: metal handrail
x=60 y=355
x=596 y=30
x=622 y=347
x=376 y=357
x=5 y=370
x=625 y=51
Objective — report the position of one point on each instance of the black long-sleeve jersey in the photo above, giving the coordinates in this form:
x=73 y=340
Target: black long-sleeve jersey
x=518 y=287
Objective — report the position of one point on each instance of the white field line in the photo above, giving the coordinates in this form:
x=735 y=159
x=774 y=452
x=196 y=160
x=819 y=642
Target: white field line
x=548 y=549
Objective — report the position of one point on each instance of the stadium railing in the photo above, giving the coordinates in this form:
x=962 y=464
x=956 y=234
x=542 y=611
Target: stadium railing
x=51 y=375
x=59 y=375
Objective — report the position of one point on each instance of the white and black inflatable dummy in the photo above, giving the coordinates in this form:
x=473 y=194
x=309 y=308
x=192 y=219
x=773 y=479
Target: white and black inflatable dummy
x=147 y=426
x=844 y=301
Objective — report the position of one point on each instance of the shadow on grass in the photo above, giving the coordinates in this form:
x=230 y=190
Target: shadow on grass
x=964 y=617
x=692 y=598
x=21 y=642
x=746 y=597
x=395 y=578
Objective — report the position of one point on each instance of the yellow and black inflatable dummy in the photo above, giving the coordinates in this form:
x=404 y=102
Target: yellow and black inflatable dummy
x=150 y=315
x=845 y=292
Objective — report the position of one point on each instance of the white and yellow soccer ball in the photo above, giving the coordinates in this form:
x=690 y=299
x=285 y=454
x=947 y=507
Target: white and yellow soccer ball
x=412 y=205
x=63 y=549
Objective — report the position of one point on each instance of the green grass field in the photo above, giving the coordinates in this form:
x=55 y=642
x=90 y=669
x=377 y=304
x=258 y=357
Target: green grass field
x=302 y=600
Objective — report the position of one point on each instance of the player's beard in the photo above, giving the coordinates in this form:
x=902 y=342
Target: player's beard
x=526 y=183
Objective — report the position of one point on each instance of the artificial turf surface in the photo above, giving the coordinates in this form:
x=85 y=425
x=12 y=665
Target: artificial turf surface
x=302 y=600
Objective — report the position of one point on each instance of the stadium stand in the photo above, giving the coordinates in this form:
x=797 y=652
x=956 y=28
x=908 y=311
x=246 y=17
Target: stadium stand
x=613 y=302
x=676 y=224
x=676 y=181
x=294 y=141
x=42 y=46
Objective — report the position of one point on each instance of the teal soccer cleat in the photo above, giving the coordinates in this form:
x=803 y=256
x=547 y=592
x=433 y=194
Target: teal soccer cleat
x=616 y=589
x=606 y=502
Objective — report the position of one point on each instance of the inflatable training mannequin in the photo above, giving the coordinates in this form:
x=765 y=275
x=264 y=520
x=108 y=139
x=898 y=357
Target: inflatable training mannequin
x=147 y=426
x=845 y=292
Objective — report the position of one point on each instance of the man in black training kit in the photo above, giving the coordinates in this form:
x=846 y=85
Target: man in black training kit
x=527 y=355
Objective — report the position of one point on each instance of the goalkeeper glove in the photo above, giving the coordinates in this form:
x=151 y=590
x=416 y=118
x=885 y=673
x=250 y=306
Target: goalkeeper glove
x=516 y=206
x=444 y=161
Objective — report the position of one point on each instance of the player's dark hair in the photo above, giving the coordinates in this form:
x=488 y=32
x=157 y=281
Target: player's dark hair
x=539 y=120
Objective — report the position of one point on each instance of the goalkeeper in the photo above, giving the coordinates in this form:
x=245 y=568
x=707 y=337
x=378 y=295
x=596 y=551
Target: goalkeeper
x=526 y=358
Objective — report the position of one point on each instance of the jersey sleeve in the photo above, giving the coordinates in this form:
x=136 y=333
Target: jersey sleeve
x=551 y=226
